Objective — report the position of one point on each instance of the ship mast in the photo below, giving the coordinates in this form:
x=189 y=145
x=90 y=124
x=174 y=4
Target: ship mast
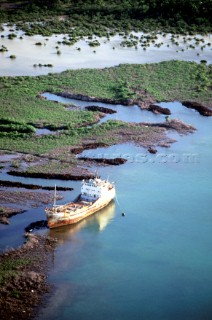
x=54 y=204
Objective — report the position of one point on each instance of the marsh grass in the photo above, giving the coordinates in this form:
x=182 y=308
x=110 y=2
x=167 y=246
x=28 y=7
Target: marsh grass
x=19 y=100
x=10 y=268
x=103 y=17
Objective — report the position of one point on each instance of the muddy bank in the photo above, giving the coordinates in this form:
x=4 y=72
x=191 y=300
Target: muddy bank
x=145 y=102
x=14 y=184
x=36 y=225
x=147 y=135
x=104 y=161
x=177 y=125
x=86 y=146
x=158 y=110
x=82 y=174
x=100 y=109
x=144 y=135
x=152 y=150
x=6 y=213
x=125 y=102
x=27 y=198
x=24 y=277
x=203 y=110
x=16 y=202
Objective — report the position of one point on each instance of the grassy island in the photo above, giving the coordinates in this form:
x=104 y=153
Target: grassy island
x=23 y=109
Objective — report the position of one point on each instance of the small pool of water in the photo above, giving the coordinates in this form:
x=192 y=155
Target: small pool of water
x=41 y=132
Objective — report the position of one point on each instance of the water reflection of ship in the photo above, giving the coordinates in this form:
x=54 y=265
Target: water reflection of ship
x=96 y=223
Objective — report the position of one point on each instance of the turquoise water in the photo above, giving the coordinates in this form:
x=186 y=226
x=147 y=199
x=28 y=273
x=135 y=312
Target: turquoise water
x=154 y=263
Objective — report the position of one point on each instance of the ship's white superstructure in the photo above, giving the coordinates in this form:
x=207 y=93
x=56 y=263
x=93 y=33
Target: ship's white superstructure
x=94 y=189
x=95 y=195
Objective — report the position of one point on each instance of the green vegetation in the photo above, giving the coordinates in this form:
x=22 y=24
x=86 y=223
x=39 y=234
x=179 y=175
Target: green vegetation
x=10 y=268
x=15 y=164
x=19 y=100
x=94 y=43
x=49 y=65
x=3 y=49
x=103 y=17
x=16 y=293
x=13 y=126
x=12 y=36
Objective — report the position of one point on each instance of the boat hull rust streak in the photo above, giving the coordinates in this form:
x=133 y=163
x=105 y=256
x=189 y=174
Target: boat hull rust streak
x=95 y=195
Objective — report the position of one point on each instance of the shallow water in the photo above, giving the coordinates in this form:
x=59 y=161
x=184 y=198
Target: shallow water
x=152 y=264
x=155 y=262
x=41 y=132
x=29 y=54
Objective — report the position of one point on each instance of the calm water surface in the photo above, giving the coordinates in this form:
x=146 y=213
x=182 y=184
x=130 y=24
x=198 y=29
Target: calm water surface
x=28 y=54
x=154 y=263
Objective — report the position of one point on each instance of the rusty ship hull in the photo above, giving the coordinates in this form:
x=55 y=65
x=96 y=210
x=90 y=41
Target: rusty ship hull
x=95 y=195
x=74 y=212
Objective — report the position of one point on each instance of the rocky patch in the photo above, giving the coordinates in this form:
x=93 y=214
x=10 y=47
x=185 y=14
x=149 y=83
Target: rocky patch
x=15 y=184
x=76 y=175
x=157 y=109
x=36 y=225
x=174 y=124
x=100 y=109
x=152 y=150
x=104 y=161
x=204 y=111
x=24 y=277
x=87 y=146
x=6 y=213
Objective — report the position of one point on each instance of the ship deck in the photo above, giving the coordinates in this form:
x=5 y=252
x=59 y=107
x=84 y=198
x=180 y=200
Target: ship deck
x=76 y=205
x=70 y=207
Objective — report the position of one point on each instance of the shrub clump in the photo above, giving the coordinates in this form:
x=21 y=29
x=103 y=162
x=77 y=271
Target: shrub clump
x=13 y=126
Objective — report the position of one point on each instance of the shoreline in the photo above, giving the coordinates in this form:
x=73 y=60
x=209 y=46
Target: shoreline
x=151 y=136
x=21 y=201
x=149 y=103
x=79 y=169
x=14 y=184
x=24 y=284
